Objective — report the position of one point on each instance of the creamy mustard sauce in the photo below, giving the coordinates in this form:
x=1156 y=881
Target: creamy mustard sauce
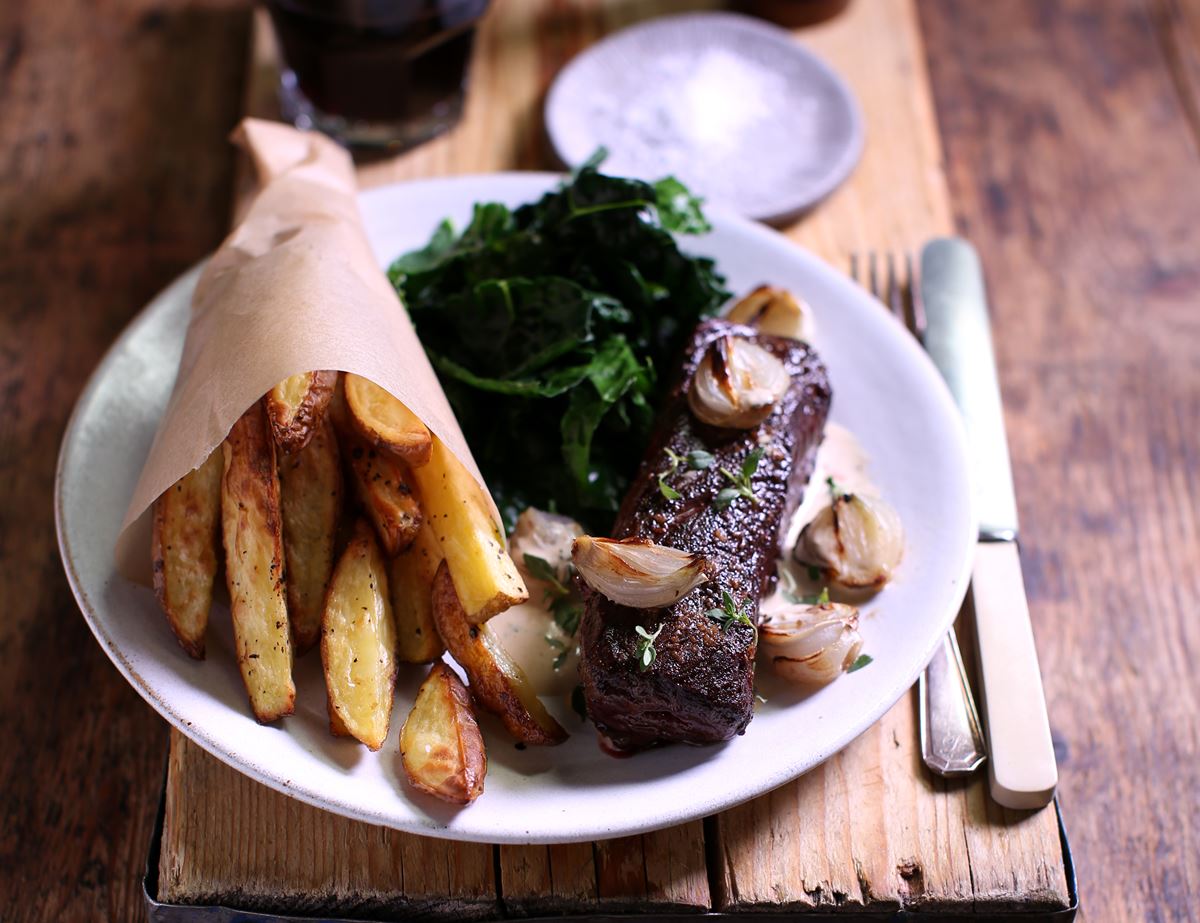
x=524 y=630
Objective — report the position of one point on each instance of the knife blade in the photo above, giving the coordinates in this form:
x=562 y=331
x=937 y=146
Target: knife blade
x=1022 y=769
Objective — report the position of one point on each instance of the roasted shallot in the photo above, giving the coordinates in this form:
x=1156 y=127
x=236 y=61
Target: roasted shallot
x=637 y=572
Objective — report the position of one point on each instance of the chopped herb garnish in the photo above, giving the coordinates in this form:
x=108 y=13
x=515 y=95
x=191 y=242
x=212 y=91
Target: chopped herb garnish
x=741 y=486
x=729 y=613
x=664 y=488
x=835 y=489
x=567 y=613
x=696 y=460
x=559 y=600
x=544 y=570
x=646 y=654
x=814 y=572
x=859 y=662
x=564 y=650
x=726 y=496
x=815 y=599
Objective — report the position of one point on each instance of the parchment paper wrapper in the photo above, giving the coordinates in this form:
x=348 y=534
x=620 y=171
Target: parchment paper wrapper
x=294 y=288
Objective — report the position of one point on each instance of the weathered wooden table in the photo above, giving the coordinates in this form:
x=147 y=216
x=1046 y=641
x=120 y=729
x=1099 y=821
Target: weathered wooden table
x=1067 y=150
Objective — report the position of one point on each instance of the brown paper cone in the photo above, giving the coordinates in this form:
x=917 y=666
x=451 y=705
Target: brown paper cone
x=294 y=288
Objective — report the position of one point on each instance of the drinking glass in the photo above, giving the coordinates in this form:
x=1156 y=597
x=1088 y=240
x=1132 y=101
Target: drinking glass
x=383 y=74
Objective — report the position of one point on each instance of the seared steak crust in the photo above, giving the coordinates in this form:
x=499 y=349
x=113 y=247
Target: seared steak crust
x=700 y=688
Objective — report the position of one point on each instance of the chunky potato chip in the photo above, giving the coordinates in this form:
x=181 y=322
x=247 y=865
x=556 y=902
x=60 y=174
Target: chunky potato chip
x=440 y=744
x=186 y=545
x=252 y=526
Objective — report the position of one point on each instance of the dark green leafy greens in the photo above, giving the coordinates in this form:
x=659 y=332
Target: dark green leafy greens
x=551 y=326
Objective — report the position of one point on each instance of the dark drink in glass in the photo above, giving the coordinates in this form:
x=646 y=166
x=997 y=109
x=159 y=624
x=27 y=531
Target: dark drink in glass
x=375 y=73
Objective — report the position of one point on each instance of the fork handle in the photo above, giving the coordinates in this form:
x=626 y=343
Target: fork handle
x=951 y=738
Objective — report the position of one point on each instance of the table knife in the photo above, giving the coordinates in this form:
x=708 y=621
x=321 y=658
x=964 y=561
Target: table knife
x=1021 y=766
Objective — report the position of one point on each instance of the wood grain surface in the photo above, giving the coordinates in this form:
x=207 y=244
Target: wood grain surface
x=869 y=829
x=1074 y=167
x=114 y=178
x=306 y=860
x=1072 y=150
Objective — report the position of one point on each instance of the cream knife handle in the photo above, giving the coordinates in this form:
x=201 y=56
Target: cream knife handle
x=1022 y=768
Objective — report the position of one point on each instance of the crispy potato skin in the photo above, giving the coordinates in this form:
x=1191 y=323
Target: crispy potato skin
x=485 y=577
x=440 y=744
x=296 y=406
x=337 y=727
x=410 y=581
x=311 y=482
x=185 y=549
x=358 y=642
x=384 y=485
x=497 y=683
x=385 y=422
x=254 y=565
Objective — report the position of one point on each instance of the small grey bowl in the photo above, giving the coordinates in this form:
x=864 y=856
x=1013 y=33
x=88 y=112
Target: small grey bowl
x=735 y=108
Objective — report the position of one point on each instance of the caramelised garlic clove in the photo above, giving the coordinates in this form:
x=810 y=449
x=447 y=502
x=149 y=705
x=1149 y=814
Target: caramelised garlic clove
x=637 y=572
x=737 y=384
x=812 y=644
x=857 y=541
x=775 y=311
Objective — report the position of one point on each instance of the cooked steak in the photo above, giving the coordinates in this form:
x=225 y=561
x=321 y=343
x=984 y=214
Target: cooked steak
x=700 y=687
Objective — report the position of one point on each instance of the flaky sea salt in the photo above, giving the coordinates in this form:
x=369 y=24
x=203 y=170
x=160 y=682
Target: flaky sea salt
x=735 y=108
x=706 y=119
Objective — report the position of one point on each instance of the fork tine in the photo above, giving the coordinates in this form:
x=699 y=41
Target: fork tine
x=892 y=280
x=895 y=289
x=917 y=323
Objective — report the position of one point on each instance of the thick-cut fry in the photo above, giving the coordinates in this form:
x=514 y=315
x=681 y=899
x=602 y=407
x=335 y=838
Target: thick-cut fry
x=297 y=405
x=485 y=577
x=440 y=744
x=311 y=482
x=337 y=727
x=185 y=547
x=497 y=682
x=252 y=527
x=384 y=486
x=410 y=581
x=385 y=422
x=358 y=641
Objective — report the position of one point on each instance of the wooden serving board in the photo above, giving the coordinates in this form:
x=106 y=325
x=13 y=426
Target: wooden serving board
x=870 y=830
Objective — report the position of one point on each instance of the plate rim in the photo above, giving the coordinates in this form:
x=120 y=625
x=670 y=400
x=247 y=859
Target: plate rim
x=426 y=825
x=789 y=207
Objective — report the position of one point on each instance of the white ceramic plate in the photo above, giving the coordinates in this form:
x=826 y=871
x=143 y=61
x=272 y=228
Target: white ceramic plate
x=735 y=107
x=885 y=391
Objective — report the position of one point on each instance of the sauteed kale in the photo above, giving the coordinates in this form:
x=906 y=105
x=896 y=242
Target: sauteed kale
x=549 y=326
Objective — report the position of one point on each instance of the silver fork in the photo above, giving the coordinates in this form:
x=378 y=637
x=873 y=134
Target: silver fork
x=952 y=742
